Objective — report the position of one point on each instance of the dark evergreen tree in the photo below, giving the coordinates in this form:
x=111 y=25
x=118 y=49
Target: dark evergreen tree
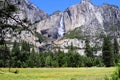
x=116 y=50
x=4 y=56
x=15 y=48
x=31 y=59
x=16 y=55
x=107 y=53
x=59 y=57
x=88 y=49
x=25 y=53
x=116 y=46
x=55 y=59
x=25 y=46
x=48 y=61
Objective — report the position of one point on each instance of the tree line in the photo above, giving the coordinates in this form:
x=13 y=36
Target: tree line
x=22 y=55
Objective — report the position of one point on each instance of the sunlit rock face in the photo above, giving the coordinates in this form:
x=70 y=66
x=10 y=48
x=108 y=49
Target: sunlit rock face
x=84 y=14
x=27 y=11
x=93 y=19
x=53 y=25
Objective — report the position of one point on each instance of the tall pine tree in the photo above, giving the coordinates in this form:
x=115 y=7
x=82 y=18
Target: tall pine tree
x=16 y=55
x=25 y=53
x=116 y=50
x=107 y=53
x=88 y=49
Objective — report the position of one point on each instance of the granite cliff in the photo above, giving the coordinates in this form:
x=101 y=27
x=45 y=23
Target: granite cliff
x=93 y=21
x=82 y=19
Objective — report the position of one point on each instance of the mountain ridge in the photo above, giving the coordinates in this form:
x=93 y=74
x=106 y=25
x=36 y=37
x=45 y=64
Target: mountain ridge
x=78 y=22
x=93 y=21
x=86 y=18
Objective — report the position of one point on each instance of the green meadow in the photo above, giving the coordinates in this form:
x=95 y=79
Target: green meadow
x=94 y=73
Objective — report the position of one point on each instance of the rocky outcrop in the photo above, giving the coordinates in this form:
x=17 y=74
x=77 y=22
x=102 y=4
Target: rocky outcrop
x=27 y=11
x=50 y=25
x=29 y=15
x=111 y=15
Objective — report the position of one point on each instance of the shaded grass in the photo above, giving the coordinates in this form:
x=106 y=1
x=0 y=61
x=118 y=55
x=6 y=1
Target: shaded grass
x=56 y=73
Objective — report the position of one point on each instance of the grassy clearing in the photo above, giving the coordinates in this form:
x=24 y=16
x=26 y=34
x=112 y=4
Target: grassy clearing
x=56 y=73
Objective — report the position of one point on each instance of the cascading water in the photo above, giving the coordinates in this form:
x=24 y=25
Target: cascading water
x=61 y=28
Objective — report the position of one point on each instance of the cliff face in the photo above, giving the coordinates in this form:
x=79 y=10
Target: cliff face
x=27 y=11
x=50 y=25
x=111 y=15
x=95 y=20
x=87 y=19
x=90 y=20
x=84 y=14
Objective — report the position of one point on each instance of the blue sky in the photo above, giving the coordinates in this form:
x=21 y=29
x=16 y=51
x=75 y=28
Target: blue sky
x=50 y=6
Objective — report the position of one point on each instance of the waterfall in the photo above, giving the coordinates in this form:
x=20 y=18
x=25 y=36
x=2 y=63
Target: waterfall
x=61 y=28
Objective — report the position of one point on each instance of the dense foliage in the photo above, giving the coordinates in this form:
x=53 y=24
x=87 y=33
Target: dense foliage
x=115 y=75
x=88 y=49
x=23 y=57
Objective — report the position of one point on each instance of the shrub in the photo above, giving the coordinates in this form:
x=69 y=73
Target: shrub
x=116 y=75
